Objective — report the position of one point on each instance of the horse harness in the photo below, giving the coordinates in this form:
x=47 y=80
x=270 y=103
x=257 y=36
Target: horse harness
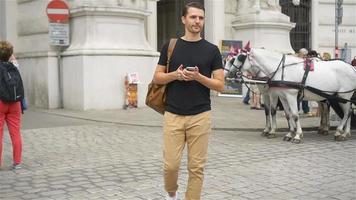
x=295 y=85
x=288 y=84
x=280 y=83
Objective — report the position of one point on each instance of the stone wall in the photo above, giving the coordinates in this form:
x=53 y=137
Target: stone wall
x=108 y=39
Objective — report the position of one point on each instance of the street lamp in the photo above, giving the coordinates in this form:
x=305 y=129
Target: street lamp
x=338 y=21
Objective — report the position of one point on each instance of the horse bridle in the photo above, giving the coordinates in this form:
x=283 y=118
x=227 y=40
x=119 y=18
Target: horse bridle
x=242 y=59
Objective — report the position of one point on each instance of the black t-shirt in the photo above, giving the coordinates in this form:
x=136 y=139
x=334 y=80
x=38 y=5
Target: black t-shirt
x=190 y=97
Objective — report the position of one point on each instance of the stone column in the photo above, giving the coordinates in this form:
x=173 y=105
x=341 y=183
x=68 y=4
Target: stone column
x=214 y=20
x=8 y=18
x=262 y=23
x=2 y=20
x=108 y=40
x=38 y=61
x=314 y=25
x=151 y=25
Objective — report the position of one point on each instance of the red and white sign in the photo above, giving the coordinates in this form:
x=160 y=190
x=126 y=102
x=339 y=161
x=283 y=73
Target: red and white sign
x=58 y=11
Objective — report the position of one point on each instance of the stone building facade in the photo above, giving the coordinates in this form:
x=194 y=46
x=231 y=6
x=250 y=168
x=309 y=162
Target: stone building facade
x=110 y=38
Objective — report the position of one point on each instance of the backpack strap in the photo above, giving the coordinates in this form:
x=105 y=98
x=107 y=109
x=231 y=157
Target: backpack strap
x=172 y=44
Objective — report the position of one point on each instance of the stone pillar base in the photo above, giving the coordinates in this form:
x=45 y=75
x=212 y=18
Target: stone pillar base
x=107 y=43
x=268 y=29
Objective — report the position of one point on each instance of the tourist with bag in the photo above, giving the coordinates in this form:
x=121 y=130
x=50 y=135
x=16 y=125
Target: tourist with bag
x=195 y=67
x=11 y=95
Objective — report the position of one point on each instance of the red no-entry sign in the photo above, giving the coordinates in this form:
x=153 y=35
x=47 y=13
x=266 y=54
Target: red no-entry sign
x=57 y=11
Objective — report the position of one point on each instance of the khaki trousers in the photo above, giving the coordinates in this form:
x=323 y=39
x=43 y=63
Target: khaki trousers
x=178 y=130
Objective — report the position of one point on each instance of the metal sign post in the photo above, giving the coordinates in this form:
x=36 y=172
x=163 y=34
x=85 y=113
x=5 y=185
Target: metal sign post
x=59 y=34
x=58 y=11
x=58 y=16
x=338 y=21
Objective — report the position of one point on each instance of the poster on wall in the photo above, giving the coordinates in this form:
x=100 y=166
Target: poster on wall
x=131 y=82
x=229 y=48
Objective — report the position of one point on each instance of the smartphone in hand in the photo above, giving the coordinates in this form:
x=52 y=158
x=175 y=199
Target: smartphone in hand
x=192 y=69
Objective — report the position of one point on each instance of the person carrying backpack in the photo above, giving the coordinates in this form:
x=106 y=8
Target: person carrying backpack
x=11 y=95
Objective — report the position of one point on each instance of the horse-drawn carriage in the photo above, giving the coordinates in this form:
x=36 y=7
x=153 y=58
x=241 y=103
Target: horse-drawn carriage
x=333 y=81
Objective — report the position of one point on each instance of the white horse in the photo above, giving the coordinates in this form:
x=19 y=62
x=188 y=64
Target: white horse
x=335 y=79
x=270 y=97
x=270 y=102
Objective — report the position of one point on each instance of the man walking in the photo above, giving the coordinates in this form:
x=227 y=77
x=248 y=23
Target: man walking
x=194 y=69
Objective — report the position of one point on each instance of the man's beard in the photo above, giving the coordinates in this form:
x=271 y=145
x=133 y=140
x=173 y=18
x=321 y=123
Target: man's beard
x=196 y=29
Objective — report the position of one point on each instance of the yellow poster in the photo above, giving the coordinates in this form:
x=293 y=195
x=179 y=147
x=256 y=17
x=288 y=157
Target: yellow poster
x=130 y=94
x=229 y=49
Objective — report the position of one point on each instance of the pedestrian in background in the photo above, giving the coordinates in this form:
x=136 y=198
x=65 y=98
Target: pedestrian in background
x=303 y=53
x=247 y=97
x=326 y=56
x=313 y=54
x=194 y=69
x=10 y=112
x=353 y=62
x=255 y=97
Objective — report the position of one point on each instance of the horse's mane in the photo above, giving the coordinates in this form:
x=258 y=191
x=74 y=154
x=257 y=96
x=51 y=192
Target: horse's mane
x=292 y=56
x=274 y=50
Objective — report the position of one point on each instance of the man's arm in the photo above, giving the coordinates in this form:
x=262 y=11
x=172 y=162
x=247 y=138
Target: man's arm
x=216 y=82
x=161 y=77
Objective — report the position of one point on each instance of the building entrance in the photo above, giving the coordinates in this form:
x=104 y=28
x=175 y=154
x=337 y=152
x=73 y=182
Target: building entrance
x=169 y=23
x=300 y=35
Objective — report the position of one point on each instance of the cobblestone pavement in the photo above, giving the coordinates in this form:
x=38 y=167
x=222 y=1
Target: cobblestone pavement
x=108 y=161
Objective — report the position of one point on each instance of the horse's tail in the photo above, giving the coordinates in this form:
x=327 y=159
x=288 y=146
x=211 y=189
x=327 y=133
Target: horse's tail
x=353 y=120
x=336 y=106
x=334 y=103
x=353 y=115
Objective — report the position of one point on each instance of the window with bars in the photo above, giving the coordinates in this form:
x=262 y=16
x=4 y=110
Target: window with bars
x=300 y=35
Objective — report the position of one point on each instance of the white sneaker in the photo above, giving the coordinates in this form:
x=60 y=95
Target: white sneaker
x=172 y=198
x=16 y=166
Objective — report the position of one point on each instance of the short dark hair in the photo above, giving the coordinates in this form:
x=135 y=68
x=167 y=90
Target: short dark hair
x=6 y=50
x=193 y=5
x=312 y=53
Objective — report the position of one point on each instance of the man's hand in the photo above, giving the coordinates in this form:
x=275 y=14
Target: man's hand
x=191 y=73
x=13 y=60
x=180 y=73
